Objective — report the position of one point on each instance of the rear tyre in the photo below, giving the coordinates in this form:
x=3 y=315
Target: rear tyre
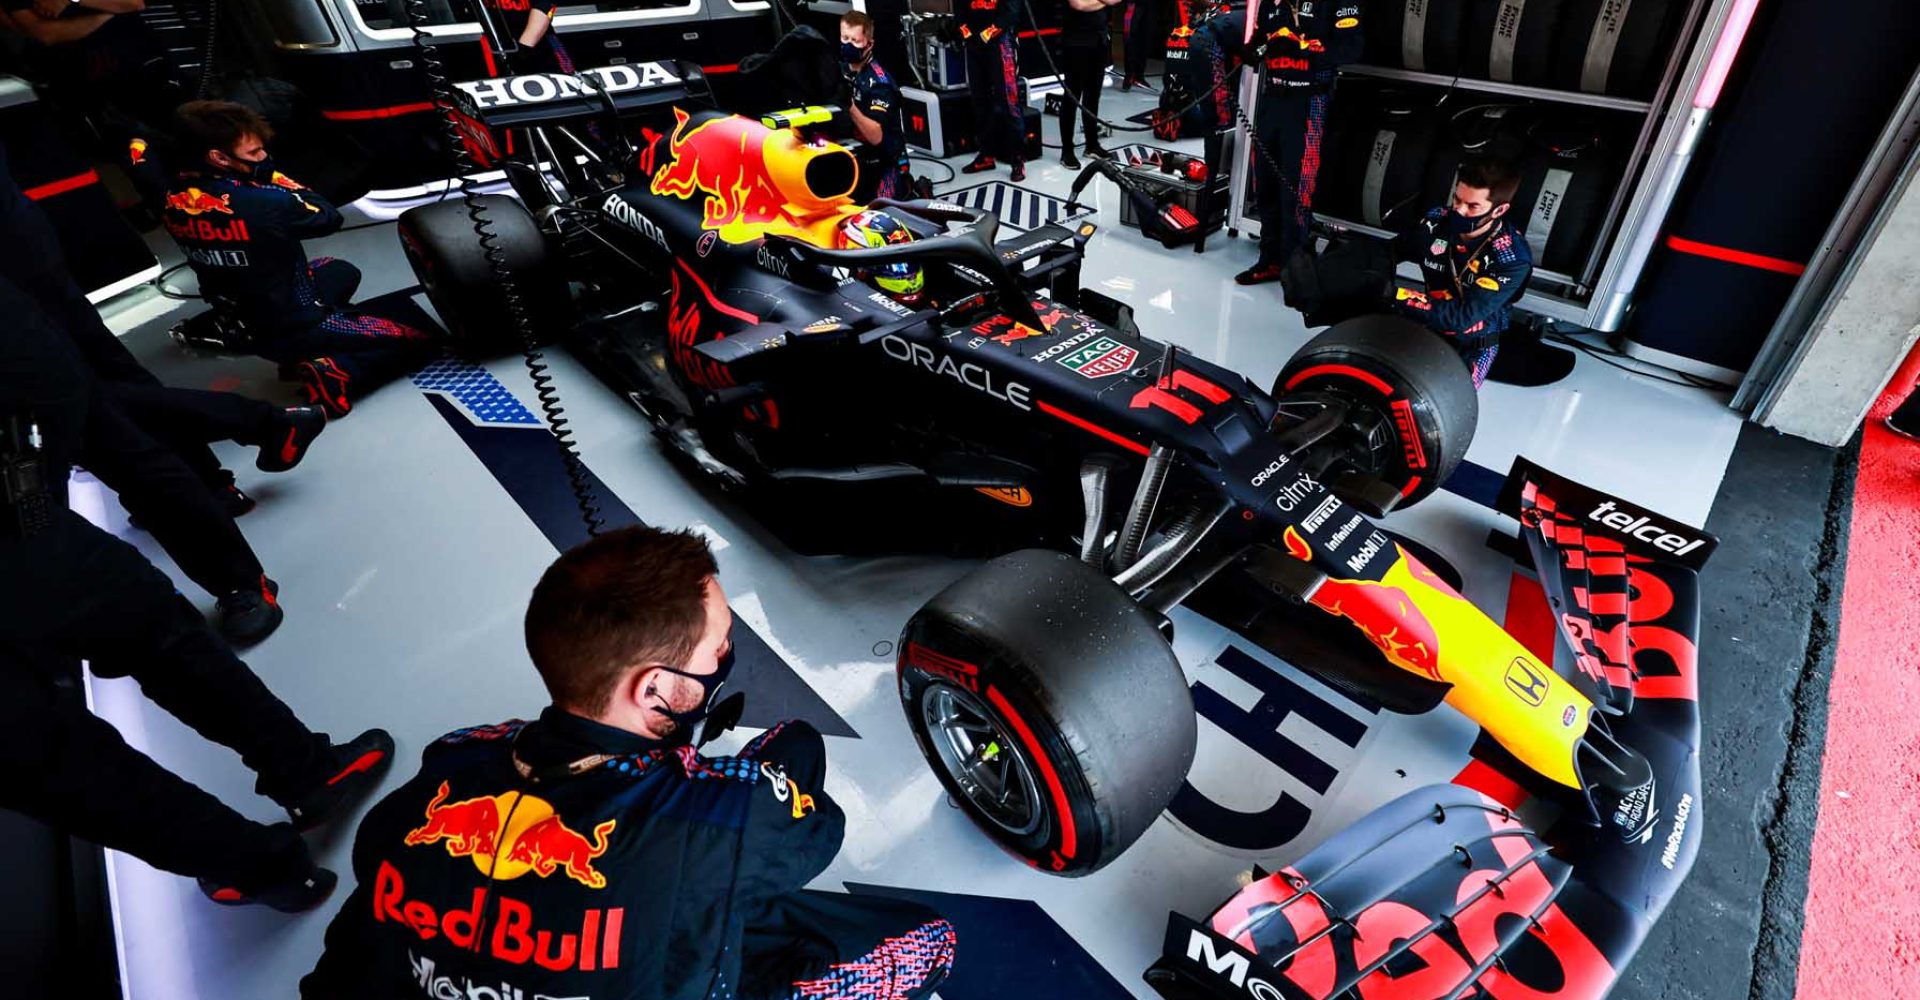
x=447 y=257
x=1411 y=400
x=1049 y=706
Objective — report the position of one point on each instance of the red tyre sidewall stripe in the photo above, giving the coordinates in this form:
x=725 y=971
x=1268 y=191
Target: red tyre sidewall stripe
x=1345 y=370
x=1055 y=789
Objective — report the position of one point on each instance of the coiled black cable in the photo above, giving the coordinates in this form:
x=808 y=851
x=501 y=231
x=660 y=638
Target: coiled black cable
x=579 y=479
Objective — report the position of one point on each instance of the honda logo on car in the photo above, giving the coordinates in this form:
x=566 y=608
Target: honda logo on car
x=1644 y=529
x=622 y=211
x=968 y=374
x=539 y=88
x=1066 y=345
x=1232 y=965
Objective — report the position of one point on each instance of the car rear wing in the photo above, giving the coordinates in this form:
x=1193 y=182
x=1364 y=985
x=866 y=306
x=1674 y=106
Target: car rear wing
x=506 y=102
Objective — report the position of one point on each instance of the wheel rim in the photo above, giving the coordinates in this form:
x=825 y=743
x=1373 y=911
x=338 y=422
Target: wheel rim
x=1372 y=443
x=985 y=764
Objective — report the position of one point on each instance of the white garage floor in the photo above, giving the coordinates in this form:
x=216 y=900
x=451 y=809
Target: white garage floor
x=405 y=565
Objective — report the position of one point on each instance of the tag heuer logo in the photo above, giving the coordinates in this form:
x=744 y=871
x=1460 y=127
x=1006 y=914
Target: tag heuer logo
x=1101 y=358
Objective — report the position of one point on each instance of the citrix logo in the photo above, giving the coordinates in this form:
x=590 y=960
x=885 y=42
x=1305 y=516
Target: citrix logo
x=1644 y=529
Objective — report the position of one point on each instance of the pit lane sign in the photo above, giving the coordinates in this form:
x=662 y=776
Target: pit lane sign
x=539 y=88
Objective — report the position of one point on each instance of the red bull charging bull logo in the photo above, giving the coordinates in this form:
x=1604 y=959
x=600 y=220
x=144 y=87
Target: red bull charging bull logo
x=510 y=834
x=1384 y=611
x=194 y=201
x=725 y=159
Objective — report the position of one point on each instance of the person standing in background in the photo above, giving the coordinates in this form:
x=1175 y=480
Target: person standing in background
x=989 y=27
x=1138 y=27
x=1086 y=47
x=1301 y=45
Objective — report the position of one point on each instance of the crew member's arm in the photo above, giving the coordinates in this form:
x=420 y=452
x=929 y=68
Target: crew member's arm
x=304 y=214
x=54 y=31
x=538 y=20
x=1462 y=318
x=793 y=829
x=870 y=108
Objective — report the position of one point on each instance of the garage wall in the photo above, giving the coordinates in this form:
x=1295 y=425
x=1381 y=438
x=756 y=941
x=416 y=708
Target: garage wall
x=1872 y=323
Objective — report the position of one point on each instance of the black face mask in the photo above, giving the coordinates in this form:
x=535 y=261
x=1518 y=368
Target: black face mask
x=851 y=54
x=259 y=171
x=1458 y=226
x=687 y=723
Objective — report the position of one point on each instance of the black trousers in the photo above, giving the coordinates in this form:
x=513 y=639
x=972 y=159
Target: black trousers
x=370 y=348
x=184 y=420
x=1289 y=127
x=1138 y=25
x=41 y=371
x=77 y=592
x=993 y=82
x=1085 y=69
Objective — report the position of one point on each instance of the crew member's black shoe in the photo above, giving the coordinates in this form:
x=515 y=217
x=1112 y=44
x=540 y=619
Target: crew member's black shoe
x=235 y=500
x=1094 y=149
x=251 y=614
x=980 y=164
x=1068 y=160
x=1259 y=274
x=296 y=895
x=293 y=433
x=1128 y=82
x=326 y=386
x=1019 y=172
x=357 y=767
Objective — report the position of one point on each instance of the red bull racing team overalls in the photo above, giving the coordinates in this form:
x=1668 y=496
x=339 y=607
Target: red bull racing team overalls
x=1300 y=44
x=567 y=858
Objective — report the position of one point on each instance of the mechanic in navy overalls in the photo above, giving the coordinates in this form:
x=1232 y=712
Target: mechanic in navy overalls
x=1301 y=44
x=875 y=108
x=240 y=222
x=989 y=27
x=1475 y=263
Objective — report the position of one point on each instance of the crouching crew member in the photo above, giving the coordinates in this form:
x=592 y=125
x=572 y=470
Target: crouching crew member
x=989 y=28
x=1475 y=262
x=1300 y=46
x=595 y=851
x=240 y=222
x=875 y=108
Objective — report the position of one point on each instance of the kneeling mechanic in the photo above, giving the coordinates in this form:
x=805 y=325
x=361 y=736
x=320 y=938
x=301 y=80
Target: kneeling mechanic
x=595 y=852
x=1474 y=261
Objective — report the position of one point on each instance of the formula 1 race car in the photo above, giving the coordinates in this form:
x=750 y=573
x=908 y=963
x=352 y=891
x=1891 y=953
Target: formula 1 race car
x=892 y=369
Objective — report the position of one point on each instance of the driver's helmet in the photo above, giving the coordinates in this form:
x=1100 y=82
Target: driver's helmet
x=906 y=282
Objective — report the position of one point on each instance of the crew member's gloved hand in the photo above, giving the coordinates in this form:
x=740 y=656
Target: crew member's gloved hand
x=991 y=32
x=522 y=60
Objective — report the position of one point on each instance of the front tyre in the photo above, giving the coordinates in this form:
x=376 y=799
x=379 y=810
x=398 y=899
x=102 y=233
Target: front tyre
x=1050 y=708
x=1411 y=405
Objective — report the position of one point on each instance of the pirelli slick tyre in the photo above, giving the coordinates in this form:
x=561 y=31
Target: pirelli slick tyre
x=447 y=257
x=1050 y=707
x=1412 y=405
x=1511 y=41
